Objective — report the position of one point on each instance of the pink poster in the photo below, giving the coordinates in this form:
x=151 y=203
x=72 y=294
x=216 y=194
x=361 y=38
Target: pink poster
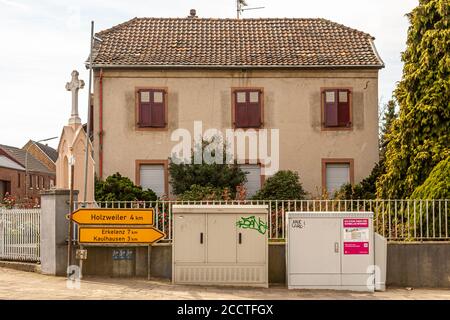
x=356 y=247
x=356 y=223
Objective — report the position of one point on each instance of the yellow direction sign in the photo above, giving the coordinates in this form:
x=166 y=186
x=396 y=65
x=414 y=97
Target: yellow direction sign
x=120 y=235
x=113 y=216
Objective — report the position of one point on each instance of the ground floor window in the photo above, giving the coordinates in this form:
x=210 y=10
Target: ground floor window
x=336 y=173
x=254 y=179
x=153 y=176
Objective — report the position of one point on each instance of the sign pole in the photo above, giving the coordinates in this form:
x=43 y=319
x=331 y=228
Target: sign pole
x=149 y=259
x=69 y=246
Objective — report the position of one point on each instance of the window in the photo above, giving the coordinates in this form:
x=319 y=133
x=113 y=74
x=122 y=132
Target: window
x=254 y=178
x=18 y=180
x=153 y=176
x=152 y=108
x=336 y=108
x=248 y=106
x=30 y=178
x=336 y=173
x=52 y=183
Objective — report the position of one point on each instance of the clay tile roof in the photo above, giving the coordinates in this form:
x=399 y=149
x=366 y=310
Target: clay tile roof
x=49 y=151
x=274 y=42
x=19 y=155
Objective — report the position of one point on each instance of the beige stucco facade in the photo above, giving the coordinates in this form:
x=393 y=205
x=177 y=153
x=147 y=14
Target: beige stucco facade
x=292 y=104
x=73 y=144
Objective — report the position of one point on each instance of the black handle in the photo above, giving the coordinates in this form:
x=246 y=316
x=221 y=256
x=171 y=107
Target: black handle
x=240 y=238
x=201 y=237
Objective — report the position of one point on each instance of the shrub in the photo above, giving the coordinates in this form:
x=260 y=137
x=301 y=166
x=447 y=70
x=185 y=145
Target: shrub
x=118 y=188
x=197 y=193
x=284 y=185
x=183 y=176
x=437 y=185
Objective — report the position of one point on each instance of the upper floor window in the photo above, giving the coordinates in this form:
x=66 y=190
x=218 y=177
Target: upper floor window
x=337 y=108
x=152 y=108
x=248 y=108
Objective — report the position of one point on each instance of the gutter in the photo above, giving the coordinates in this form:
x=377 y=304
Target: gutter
x=170 y=66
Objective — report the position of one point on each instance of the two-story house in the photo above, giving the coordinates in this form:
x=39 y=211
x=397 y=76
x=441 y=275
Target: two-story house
x=313 y=80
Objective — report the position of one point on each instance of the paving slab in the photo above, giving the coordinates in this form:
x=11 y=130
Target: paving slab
x=16 y=284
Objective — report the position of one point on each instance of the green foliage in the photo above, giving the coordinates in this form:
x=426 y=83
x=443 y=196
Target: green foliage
x=185 y=175
x=284 y=185
x=197 y=193
x=420 y=137
x=437 y=185
x=389 y=117
x=118 y=188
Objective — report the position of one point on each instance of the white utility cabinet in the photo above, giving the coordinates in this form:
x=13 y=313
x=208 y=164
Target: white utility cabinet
x=220 y=245
x=330 y=250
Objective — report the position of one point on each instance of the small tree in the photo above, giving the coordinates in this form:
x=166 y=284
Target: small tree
x=284 y=185
x=118 y=188
x=420 y=137
x=184 y=175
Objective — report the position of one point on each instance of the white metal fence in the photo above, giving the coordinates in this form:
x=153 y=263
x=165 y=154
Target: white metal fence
x=397 y=220
x=19 y=234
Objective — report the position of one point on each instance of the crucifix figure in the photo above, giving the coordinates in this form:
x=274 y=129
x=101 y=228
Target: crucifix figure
x=73 y=86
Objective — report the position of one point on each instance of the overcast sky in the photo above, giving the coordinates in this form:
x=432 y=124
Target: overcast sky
x=41 y=42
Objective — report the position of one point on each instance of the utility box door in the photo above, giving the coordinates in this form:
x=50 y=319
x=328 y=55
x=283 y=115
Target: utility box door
x=252 y=246
x=190 y=235
x=221 y=238
x=313 y=244
x=357 y=246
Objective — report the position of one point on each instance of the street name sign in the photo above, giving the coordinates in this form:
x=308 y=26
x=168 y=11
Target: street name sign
x=85 y=216
x=118 y=235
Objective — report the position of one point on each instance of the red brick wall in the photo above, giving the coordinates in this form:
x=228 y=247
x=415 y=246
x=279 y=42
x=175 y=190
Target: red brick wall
x=18 y=191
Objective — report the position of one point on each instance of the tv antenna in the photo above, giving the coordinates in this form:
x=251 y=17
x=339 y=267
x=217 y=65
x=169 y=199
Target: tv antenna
x=240 y=4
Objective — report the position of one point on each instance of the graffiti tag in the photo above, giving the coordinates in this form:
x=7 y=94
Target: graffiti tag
x=251 y=223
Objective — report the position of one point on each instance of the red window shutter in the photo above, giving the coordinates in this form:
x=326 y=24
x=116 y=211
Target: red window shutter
x=344 y=108
x=331 y=109
x=247 y=112
x=157 y=112
x=254 y=112
x=144 y=111
x=241 y=111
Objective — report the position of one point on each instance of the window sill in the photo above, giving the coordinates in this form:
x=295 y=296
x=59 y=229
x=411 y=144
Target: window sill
x=337 y=128
x=139 y=128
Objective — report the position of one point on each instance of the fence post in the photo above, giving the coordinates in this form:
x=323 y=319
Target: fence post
x=53 y=231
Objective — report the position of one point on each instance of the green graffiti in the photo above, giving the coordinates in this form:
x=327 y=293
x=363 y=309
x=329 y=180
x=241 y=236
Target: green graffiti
x=252 y=223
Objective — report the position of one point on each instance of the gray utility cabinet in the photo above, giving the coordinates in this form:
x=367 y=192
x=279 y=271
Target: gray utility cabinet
x=330 y=250
x=220 y=245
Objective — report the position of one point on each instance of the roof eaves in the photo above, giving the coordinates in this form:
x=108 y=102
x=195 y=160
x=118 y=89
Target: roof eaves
x=187 y=66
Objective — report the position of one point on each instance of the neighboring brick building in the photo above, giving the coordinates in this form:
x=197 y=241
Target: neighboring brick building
x=45 y=154
x=23 y=178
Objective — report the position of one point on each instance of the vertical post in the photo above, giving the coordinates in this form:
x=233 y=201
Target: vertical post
x=88 y=129
x=149 y=259
x=69 y=246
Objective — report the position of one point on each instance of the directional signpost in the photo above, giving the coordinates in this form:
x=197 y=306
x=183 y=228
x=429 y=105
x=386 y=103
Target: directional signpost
x=113 y=216
x=120 y=235
x=116 y=226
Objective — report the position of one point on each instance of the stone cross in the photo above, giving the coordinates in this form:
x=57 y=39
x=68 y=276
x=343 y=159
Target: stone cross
x=73 y=86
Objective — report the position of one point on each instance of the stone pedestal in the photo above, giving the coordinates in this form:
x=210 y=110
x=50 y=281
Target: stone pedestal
x=54 y=231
